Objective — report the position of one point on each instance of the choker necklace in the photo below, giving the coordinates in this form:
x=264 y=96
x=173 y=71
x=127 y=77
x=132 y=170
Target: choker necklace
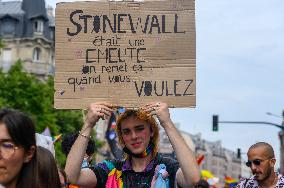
x=144 y=154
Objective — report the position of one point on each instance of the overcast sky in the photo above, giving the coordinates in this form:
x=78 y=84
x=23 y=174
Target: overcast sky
x=240 y=71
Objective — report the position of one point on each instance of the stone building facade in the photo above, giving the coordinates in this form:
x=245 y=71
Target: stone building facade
x=27 y=29
x=218 y=160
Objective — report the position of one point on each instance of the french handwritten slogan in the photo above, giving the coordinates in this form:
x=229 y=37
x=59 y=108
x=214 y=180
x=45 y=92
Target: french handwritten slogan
x=126 y=53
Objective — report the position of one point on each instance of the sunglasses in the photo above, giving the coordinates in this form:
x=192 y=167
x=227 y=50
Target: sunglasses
x=256 y=162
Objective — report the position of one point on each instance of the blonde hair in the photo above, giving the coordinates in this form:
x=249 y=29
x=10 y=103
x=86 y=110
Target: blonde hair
x=143 y=116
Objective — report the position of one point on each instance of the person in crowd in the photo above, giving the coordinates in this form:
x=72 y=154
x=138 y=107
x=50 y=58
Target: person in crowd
x=69 y=140
x=138 y=135
x=18 y=161
x=261 y=161
x=48 y=176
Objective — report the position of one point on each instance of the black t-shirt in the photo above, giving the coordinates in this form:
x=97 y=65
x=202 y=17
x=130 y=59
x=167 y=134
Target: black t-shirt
x=131 y=178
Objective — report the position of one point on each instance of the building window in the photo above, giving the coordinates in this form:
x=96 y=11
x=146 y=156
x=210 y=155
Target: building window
x=8 y=27
x=38 y=26
x=7 y=55
x=36 y=55
x=7 y=59
x=52 y=36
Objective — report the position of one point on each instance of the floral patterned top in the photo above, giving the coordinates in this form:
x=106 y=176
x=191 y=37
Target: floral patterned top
x=252 y=183
x=126 y=177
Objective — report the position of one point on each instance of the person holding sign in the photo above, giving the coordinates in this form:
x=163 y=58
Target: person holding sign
x=138 y=135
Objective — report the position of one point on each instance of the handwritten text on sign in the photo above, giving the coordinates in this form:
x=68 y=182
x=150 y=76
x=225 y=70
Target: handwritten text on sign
x=126 y=51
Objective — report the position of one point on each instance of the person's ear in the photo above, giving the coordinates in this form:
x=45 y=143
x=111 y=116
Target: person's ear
x=29 y=154
x=272 y=162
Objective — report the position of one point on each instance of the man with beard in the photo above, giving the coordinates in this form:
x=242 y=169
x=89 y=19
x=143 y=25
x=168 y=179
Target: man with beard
x=261 y=161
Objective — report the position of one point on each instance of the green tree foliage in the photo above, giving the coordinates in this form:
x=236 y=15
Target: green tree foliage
x=23 y=91
x=1 y=46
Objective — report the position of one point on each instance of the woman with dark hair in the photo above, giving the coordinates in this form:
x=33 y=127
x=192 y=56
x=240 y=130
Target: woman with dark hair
x=18 y=165
x=143 y=166
x=48 y=176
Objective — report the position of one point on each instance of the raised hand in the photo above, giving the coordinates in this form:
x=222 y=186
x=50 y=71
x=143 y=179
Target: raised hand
x=160 y=109
x=96 y=111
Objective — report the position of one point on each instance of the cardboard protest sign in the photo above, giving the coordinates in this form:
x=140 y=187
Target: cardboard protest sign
x=126 y=53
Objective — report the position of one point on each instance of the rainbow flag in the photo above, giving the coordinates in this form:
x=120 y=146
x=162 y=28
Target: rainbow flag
x=56 y=138
x=230 y=182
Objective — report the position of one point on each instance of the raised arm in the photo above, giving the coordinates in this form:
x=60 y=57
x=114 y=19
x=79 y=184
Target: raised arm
x=85 y=177
x=188 y=174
